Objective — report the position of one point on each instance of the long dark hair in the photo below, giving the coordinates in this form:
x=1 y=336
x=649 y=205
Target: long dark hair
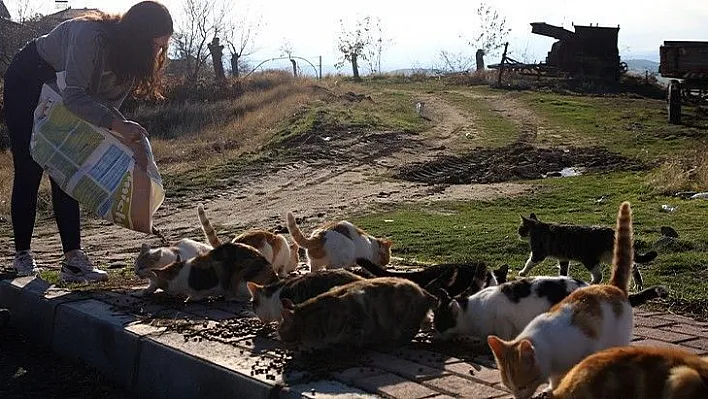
x=130 y=45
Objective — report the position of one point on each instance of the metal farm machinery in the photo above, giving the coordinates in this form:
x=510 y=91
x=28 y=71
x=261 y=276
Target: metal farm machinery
x=686 y=63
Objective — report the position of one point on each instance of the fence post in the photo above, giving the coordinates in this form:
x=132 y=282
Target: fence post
x=320 y=67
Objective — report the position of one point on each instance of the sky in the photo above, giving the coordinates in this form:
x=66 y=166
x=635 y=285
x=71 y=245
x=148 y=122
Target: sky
x=417 y=31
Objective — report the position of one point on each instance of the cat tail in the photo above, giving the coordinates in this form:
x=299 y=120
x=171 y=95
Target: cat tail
x=374 y=269
x=643 y=296
x=623 y=258
x=297 y=235
x=207 y=228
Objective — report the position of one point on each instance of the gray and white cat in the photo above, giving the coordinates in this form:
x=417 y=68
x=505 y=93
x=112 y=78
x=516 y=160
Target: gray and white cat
x=267 y=299
x=590 y=245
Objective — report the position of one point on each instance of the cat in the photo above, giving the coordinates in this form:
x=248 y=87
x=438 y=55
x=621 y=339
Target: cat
x=504 y=310
x=385 y=311
x=635 y=372
x=275 y=247
x=152 y=258
x=338 y=245
x=586 y=321
x=470 y=277
x=224 y=270
x=589 y=245
x=267 y=300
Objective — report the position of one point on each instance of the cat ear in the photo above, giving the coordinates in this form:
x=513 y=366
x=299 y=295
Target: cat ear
x=253 y=288
x=387 y=243
x=503 y=270
x=527 y=351
x=287 y=304
x=497 y=345
x=533 y=216
x=287 y=315
x=455 y=309
x=144 y=248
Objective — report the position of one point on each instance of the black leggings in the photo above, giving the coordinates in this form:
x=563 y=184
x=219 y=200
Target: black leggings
x=23 y=85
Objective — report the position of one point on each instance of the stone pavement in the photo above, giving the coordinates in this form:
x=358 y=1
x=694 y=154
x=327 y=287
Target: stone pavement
x=162 y=348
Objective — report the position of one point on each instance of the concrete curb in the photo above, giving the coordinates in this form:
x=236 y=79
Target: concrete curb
x=146 y=360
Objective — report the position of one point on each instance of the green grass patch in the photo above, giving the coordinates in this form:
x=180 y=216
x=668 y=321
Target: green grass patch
x=630 y=126
x=487 y=230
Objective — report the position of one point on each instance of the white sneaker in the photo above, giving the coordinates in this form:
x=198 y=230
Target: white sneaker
x=24 y=264
x=77 y=268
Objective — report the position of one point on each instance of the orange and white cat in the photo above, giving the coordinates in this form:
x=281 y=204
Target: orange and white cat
x=274 y=247
x=337 y=245
x=636 y=372
x=588 y=320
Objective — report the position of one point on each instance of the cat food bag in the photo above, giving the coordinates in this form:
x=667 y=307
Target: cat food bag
x=116 y=179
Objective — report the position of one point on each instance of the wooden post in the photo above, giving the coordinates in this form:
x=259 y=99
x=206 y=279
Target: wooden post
x=294 y=67
x=501 y=65
x=320 y=67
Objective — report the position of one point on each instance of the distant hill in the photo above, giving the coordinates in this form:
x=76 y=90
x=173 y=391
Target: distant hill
x=641 y=65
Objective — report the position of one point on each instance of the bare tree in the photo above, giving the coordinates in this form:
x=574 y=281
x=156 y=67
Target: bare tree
x=492 y=32
x=353 y=44
x=453 y=62
x=240 y=38
x=203 y=21
x=26 y=10
x=378 y=43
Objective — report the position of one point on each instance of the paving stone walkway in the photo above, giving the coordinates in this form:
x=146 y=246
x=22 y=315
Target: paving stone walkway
x=215 y=349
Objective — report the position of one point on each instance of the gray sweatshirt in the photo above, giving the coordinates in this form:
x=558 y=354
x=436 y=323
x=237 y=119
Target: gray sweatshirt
x=92 y=90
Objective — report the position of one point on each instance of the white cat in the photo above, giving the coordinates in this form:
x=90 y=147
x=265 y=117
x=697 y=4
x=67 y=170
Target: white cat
x=337 y=245
x=503 y=310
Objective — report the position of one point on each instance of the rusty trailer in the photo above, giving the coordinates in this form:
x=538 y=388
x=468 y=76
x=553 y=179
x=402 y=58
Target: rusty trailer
x=686 y=63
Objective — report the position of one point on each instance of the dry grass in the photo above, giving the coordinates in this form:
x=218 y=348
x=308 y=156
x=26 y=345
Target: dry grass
x=688 y=173
x=189 y=134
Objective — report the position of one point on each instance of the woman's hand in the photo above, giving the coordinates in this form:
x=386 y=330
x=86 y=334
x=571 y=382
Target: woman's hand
x=129 y=129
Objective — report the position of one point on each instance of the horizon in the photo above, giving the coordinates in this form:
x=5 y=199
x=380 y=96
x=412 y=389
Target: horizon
x=420 y=30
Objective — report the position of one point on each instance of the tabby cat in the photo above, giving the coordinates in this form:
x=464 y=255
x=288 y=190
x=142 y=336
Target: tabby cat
x=224 y=270
x=589 y=245
x=469 y=277
x=378 y=311
x=337 y=245
x=152 y=258
x=586 y=321
x=635 y=372
x=275 y=247
x=267 y=300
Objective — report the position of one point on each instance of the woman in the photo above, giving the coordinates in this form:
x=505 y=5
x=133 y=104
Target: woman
x=105 y=58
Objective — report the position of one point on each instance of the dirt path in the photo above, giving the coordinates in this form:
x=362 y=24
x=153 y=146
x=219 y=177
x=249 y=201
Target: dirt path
x=330 y=176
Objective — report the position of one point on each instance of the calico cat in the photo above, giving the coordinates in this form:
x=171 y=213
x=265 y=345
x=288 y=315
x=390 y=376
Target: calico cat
x=469 y=277
x=635 y=372
x=152 y=258
x=267 y=300
x=586 y=321
x=589 y=245
x=222 y=271
x=275 y=247
x=379 y=311
x=337 y=245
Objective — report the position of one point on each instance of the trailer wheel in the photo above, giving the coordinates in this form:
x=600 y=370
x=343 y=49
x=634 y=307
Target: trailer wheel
x=674 y=102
